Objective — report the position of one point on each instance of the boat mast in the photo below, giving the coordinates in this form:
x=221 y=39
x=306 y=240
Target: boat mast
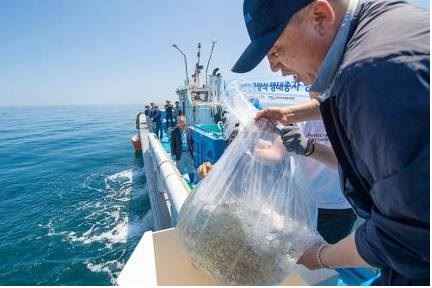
x=198 y=68
x=208 y=62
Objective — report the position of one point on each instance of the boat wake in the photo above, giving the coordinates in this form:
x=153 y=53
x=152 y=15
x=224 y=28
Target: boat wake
x=111 y=220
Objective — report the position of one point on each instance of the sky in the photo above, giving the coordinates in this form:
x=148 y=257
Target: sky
x=88 y=52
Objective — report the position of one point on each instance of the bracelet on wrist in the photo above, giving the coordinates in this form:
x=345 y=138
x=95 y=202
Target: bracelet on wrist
x=318 y=256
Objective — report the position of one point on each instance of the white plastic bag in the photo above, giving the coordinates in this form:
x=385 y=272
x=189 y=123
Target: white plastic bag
x=251 y=218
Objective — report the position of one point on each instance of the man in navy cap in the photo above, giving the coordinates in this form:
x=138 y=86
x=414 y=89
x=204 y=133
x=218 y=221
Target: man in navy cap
x=368 y=64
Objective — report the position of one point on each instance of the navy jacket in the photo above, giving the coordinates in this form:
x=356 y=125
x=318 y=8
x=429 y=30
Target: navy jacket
x=169 y=109
x=377 y=118
x=147 y=112
x=157 y=117
x=176 y=142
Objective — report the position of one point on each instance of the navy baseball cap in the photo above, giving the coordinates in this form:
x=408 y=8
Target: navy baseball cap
x=265 y=20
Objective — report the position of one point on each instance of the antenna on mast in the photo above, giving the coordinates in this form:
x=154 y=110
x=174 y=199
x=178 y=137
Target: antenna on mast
x=208 y=62
x=198 y=67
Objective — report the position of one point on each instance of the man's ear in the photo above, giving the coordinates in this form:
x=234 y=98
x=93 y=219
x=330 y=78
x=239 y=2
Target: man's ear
x=322 y=16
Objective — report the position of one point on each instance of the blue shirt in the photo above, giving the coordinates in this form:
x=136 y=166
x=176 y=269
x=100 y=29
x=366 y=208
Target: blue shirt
x=184 y=141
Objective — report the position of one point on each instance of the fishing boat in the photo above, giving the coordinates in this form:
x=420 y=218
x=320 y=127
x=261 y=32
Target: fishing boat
x=159 y=258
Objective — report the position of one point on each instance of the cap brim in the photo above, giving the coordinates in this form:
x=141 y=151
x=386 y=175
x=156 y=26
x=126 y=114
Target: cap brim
x=256 y=51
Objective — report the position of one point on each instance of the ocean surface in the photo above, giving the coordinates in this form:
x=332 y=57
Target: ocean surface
x=73 y=198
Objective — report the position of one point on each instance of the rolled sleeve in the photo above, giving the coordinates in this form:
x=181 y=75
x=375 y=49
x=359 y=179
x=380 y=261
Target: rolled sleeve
x=366 y=248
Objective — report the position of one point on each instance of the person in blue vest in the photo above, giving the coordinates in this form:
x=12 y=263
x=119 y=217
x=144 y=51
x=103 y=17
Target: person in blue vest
x=157 y=121
x=369 y=66
x=182 y=148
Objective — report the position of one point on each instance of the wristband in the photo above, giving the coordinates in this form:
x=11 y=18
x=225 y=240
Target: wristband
x=318 y=256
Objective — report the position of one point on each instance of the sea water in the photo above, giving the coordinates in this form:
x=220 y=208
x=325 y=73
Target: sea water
x=73 y=196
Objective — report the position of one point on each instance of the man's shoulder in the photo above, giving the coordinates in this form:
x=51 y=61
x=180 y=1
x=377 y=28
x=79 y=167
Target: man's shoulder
x=376 y=88
x=384 y=76
x=379 y=93
x=386 y=30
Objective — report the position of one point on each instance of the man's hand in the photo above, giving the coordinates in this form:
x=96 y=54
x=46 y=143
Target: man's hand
x=203 y=169
x=294 y=141
x=275 y=114
x=263 y=144
x=269 y=153
x=309 y=259
x=342 y=254
x=306 y=111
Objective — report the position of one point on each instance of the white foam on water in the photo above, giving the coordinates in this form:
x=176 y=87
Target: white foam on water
x=139 y=225
x=50 y=227
x=51 y=230
x=120 y=233
x=108 y=267
x=109 y=230
x=119 y=181
x=125 y=177
x=87 y=182
x=119 y=186
x=109 y=220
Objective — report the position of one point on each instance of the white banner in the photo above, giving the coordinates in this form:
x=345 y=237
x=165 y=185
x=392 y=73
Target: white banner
x=275 y=92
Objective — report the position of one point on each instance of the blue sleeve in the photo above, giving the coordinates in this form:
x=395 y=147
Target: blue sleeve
x=385 y=111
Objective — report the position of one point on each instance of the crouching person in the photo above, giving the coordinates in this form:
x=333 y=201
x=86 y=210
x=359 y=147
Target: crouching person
x=182 y=148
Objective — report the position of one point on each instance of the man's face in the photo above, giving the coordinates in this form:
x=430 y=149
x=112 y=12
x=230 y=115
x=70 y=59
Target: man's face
x=181 y=123
x=300 y=49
